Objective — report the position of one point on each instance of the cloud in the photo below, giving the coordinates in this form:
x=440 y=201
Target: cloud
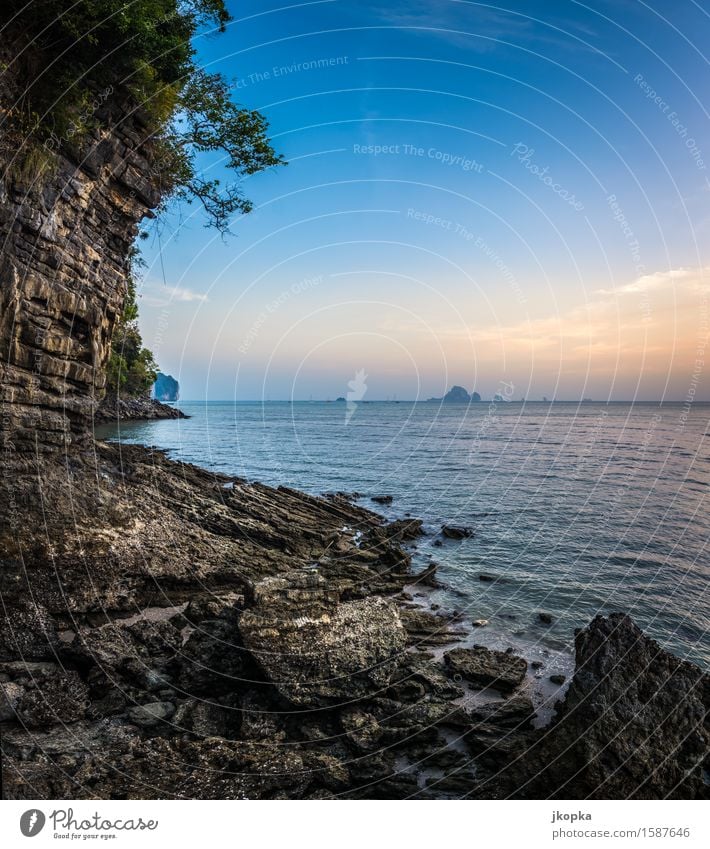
x=686 y=278
x=643 y=339
x=638 y=336
x=480 y=28
x=158 y=295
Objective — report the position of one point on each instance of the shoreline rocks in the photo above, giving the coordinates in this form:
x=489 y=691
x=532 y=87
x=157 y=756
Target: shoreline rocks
x=274 y=654
x=135 y=409
x=317 y=651
x=633 y=724
x=485 y=667
x=456 y=531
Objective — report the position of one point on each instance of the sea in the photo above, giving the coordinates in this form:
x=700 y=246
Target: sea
x=577 y=509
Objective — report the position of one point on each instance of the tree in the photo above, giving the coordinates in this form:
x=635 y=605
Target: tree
x=137 y=54
x=131 y=369
x=82 y=62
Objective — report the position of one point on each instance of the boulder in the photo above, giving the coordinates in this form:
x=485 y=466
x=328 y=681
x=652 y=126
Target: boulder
x=515 y=712
x=486 y=667
x=151 y=714
x=361 y=729
x=632 y=726
x=318 y=652
x=212 y=661
x=382 y=499
x=456 y=531
x=10 y=695
x=43 y=694
x=424 y=628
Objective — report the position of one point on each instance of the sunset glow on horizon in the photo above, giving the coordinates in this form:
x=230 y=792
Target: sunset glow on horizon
x=473 y=195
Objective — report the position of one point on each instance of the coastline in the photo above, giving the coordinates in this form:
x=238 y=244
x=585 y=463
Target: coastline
x=270 y=642
x=113 y=410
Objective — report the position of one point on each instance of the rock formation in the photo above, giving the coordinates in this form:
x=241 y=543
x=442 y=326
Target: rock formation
x=457 y=394
x=114 y=409
x=67 y=234
x=273 y=654
x=166 y=388
x=634 y=724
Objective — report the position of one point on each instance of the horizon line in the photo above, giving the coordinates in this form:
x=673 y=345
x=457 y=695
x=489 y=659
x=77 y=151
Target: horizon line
x=483 y=401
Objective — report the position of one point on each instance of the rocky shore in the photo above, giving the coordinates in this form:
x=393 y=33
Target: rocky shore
x=177 y=633
x=135 y=409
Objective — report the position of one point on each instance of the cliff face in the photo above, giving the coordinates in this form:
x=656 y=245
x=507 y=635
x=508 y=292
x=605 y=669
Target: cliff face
x=65 y=241
x=166 y=388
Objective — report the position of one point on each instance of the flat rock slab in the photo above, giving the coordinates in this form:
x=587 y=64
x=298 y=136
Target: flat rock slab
x=486 y=667
x=318 y=658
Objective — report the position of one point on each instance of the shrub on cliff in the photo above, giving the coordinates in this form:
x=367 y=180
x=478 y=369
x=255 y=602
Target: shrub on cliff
x=79 y=58
x=131 y=368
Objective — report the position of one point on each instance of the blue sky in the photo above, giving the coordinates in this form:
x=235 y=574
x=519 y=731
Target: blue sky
x=475 y=194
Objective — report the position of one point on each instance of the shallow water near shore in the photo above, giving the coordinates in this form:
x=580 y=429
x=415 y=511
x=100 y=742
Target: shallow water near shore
x=576 y=509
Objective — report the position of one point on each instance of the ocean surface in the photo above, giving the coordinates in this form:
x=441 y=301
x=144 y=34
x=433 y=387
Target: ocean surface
x=577 y=509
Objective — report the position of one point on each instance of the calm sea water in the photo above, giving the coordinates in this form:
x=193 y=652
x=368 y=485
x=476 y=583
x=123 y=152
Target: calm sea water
x=577 y=509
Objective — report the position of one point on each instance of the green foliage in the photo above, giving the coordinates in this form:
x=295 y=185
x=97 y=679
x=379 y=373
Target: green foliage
x=82 y=58
x=84 y=64
x=131 y=369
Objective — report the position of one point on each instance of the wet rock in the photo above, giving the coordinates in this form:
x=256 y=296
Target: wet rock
x=479 y=623
x=425 y=716
x=424 y=628
x=382 y=499
x=516 y=712
x=456 y=531
x=343 y=497
x=486 y=667
x=403 y=530
x=545 y=618
x=558 y=679
x=456 y=785
x=417 y=671
x=151 y=714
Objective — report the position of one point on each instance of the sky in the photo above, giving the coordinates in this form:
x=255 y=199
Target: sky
x=476 y=194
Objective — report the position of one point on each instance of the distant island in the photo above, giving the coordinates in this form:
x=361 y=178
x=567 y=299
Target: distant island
x=458 y=395
x=166 y=388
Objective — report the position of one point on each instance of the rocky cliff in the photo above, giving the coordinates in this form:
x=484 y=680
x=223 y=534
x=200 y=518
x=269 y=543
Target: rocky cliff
x=67 y=227
x=166 y=388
